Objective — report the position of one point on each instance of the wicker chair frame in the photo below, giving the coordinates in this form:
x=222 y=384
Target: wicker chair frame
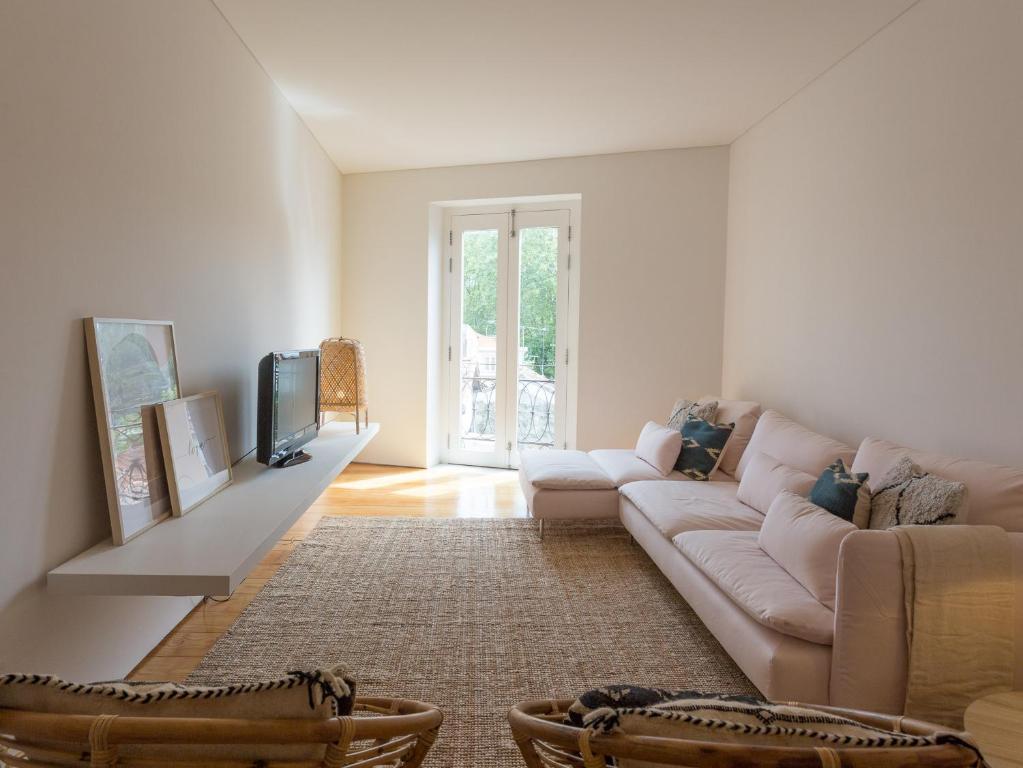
x=546 y=742
x=398 y=733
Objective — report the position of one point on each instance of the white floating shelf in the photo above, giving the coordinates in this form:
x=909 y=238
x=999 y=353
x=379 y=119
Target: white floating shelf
x=213 y=548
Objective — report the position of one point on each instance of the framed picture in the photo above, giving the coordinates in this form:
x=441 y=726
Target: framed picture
x=194 y=449
x=134 y=366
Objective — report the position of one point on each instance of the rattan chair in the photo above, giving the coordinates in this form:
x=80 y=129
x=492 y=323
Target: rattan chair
x=389 y=732
x=343 y=379
x=546 y=742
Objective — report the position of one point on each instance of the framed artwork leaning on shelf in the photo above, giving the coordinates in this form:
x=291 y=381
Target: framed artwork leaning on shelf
x=195 y=450
x=133 y=366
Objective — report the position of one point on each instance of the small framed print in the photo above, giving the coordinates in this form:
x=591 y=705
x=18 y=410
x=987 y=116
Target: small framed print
x=194 y=449
x=133 y=365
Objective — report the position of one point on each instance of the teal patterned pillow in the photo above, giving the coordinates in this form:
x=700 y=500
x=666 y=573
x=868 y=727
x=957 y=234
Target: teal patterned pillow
x=702 y=446
x=843 y=494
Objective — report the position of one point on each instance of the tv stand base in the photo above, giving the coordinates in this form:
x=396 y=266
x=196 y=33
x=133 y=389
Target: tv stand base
x=298 y=457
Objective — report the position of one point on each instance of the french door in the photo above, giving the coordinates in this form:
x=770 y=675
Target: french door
x=507 y=343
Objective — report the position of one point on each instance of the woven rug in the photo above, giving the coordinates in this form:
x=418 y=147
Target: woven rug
x=473 y=615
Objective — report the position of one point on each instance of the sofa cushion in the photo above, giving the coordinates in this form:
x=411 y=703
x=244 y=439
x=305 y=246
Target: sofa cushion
x=563 y=470
x=765 y=477
x=734 y=561
x=843 y=493
x=684 y=410
x=793 y=444
x=804 y=540
x=623 y=466
x=659 y=447
x=742 y=413
x=910 y=496
x=995 y=492
x=703 y=446
x=674 y=507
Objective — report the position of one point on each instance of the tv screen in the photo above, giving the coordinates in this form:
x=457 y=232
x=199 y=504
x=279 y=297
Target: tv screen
x=289 y=405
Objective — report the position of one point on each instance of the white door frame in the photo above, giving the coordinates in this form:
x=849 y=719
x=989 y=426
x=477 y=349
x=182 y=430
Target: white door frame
x=566 y=366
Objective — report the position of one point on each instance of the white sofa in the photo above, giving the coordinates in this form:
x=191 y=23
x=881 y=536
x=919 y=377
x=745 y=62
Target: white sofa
x=790 y=645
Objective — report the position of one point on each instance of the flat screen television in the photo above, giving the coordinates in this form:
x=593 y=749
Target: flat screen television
x=288 y=406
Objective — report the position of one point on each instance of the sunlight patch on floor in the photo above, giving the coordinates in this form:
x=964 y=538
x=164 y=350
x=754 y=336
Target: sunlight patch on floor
x=399 y=477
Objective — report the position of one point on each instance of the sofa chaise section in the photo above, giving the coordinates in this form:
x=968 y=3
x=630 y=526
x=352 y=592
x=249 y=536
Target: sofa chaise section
x=566 y=485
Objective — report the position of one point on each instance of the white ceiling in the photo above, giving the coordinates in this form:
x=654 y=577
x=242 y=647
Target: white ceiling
x=388 y=84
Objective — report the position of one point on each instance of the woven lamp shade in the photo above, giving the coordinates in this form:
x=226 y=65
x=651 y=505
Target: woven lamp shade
x=343 y=378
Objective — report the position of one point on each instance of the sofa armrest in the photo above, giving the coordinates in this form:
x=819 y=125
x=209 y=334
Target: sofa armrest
x=869 y=656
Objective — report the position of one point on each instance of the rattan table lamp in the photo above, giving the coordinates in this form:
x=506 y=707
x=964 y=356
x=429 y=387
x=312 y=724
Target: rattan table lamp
x=343 y=378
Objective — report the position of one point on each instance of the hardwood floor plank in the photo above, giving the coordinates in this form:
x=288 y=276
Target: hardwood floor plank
x=362 y=490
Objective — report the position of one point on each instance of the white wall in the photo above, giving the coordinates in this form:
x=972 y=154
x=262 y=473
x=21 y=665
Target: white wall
x=875 y=235
x=652 y=246
x=149 y=169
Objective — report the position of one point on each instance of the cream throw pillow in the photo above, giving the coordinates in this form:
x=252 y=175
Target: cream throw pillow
x=765 y=477
x=659 y=447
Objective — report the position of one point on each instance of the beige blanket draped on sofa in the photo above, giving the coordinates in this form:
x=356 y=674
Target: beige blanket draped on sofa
x=959 y=594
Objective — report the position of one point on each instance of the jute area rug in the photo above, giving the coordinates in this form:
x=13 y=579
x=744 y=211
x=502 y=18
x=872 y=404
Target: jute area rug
x=473 y=615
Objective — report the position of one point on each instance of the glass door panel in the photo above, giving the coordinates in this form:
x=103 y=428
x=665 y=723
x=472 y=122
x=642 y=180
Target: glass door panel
x=540 y=262
x=478 y=349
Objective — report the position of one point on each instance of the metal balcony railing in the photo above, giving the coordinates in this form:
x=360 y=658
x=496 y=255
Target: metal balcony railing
x=535 y=397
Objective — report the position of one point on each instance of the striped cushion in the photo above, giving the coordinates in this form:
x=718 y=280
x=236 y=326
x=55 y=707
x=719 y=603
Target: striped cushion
x=719 y=718
x=319 y=694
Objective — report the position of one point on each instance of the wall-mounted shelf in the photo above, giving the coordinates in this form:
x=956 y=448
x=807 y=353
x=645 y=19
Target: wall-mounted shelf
x=213 y=548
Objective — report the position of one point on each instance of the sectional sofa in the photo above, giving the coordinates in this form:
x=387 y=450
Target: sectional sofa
x=845 y=649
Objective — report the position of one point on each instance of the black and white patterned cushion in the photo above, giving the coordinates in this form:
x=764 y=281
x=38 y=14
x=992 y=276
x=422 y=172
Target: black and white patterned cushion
x=909 y=496
x=318 y=695
x=718 y=718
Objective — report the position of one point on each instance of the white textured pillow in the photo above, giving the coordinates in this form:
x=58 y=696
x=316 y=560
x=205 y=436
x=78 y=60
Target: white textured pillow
x=684 y=410
x=910 y=496
x=765 y=477
x=659 y=447
x=804 y=540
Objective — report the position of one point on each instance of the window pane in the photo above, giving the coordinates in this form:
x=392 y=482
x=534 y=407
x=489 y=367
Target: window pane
x=538 y=301
x=478 y=352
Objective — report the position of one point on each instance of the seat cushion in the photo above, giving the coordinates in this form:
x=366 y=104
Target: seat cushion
x=734 y=561
x=623 y=466
x=563 y=470
x=794 y=445
x=677 y=506
x=994 y=492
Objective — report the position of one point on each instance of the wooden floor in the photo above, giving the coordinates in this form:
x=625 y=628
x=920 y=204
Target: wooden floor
x=364 y=490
